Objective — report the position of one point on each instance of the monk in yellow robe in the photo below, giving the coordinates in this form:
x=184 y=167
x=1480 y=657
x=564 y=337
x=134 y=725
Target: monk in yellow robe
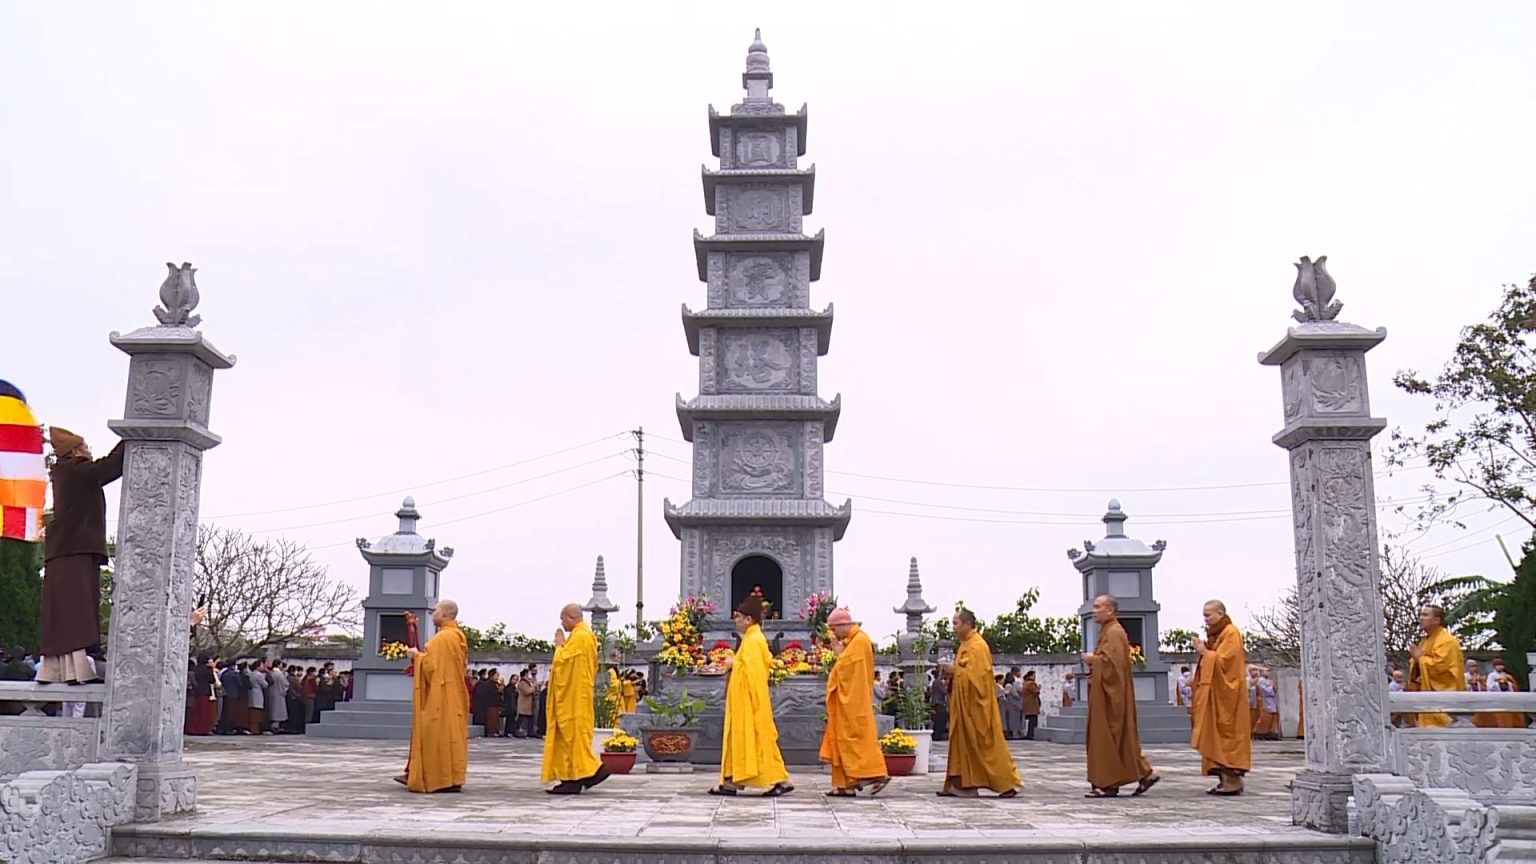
x=439 y=707
x=1435 y=663
x=1219 y=703
x=627 y=699
x=749 y=748
x=1500 y=681
x=1114 y=747
x=568 y=718
x=978 y=753
x=615 y=695
x=851 y=743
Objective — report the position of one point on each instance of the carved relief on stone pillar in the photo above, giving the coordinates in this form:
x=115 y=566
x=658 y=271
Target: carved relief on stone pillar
x=703 y=459
x=157 y=388
x=813 y=460
x=756 y=148
x=199 y=392
x=762 y=279
x=808 y=349
x=709 y=375
x=757 y=208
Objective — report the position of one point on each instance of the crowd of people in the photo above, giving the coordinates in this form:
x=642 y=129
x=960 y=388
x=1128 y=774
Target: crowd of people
x=253 y=697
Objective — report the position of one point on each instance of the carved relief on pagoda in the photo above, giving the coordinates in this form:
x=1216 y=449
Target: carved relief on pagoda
x=1338 y=383
x=758 y=360
x=759 y=460
x=758 y=279
x=708 y=365
x=808 y=346
x=757 y=208
x=754 y=148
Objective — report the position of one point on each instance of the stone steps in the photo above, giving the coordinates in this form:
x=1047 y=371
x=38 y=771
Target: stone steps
x=159 y=844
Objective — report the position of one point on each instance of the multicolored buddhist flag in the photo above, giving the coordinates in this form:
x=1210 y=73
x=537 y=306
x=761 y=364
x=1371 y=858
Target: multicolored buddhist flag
x=23 y=474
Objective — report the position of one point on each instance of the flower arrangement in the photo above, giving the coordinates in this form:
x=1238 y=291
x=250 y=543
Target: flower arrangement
x=717 y=654
x=682 y=634
x=795 y=660
x=777 y=671
x=392 y=650
x=618 y=742
x=817 y=607
x=824 y=659
x=1138 y=658
x=897 y=743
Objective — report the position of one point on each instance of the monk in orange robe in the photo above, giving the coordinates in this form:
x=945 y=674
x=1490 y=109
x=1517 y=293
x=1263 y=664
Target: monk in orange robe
x=1114 y=748
x=1436 y=663
x=1219 y=704
x=851 y=743
x=439 y=707
x=978 y=754
x=1499 y=681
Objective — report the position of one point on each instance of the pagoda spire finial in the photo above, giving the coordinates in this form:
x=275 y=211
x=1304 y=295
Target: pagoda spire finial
x=757 y=79
x=599 y=606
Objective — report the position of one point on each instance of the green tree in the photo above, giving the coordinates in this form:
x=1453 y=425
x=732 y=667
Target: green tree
x=1482 y=439
x=21 y=590
x=1514 y=617
x=1019 y=632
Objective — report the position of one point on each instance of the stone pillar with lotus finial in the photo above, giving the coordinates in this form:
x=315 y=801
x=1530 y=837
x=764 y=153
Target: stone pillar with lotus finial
x=1327 y=434
x=165 y=428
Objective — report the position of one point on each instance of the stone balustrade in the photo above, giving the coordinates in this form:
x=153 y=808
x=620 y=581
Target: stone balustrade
x=1462 y=706
x=35 y=741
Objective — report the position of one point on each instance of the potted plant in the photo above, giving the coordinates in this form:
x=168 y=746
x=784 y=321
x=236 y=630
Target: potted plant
x=900 y=752
x=674 y=738
x=912 y=719
x=618 y=754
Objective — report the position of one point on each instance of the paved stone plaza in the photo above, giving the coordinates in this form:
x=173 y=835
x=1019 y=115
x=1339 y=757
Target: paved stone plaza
x=255 y=796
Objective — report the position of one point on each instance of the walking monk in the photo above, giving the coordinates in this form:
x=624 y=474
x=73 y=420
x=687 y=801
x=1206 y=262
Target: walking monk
x=749 y=749
x=568 y=709
x=1114 y=750
x=439 y=707
x=978 y=755
x=850 y=743
x=1436 y=662
x=1219 y=703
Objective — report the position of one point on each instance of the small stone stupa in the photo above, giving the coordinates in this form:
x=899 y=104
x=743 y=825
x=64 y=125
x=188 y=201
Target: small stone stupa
x=404 y=573
x=1121 y=566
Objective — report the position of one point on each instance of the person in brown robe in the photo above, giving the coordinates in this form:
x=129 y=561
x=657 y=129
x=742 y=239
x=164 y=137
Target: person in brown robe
x=1114 y=749
x=74 y=550
x=1219 y=705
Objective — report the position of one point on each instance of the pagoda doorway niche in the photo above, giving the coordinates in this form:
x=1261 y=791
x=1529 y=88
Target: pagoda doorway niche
x=758 y=573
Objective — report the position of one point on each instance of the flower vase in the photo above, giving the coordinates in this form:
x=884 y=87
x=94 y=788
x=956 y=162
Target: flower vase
x=923 y=751
x=900 y=764
x=617 y=762
x=598 y=737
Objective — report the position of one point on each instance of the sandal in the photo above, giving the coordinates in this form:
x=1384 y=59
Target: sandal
x=842 y=793
x=875 y=786
x=1011 y=793
x=1226 y=793
x=779 y=789
x=1146 y=783
x=1103 y=793
x=723 y=790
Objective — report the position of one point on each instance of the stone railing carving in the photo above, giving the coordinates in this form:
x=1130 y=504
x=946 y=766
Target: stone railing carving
x=1491 y=765
x=34 y=741
x=51 y=817
x=1424 y=826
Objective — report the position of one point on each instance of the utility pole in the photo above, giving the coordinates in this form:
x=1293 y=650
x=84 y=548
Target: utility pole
x=639 y=529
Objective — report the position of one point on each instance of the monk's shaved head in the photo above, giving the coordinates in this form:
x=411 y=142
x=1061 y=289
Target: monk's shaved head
x=571 y=610
x=1111 y=602
x=1218 y=605
x=1104 y=608
x=445 y=610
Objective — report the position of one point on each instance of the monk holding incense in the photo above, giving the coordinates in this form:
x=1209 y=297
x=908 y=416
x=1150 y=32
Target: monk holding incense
x=850 y=743
x=568 y=711
x=978 y=754
x=439 y=707
x=1435 y=663
x=749 y=747
x=1219 y=703
x=1114 y=748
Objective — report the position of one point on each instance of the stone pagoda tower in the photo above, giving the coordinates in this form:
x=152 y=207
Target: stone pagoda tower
x=757 y=519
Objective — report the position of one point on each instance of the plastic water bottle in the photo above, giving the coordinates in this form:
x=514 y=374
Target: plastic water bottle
x=1352 y=813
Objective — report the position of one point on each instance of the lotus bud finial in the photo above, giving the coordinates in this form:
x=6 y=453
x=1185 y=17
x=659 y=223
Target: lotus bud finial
x=1314 y=291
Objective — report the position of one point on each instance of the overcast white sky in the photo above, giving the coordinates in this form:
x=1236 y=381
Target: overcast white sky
x=443 y=240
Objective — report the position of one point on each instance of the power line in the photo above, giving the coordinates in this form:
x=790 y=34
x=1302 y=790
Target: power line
x=565 y=491
x=442 y=500
x=418 y=485
x=1062 y=490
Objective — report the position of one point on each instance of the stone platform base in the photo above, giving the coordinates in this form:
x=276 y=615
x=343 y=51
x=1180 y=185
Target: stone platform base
x=360 y=718
x=1156 y=723
x=427 y=846
x=669 y=768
